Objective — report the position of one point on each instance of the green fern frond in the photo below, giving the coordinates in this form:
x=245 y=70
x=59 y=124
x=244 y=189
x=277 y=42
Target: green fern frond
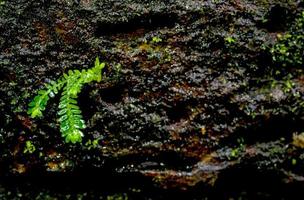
x=40 y=101
x=93 y=74
x=70 y=117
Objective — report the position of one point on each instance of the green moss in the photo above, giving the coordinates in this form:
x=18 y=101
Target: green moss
x=283 y=83
x=289 y=50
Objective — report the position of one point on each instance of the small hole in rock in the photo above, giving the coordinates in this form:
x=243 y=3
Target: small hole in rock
x=277 y=19
x=178 y=112
x=113 y=94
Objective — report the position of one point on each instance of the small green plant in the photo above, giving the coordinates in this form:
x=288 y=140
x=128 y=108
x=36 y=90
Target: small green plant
x=156 y=39
x=29 y=147
x=117 y=197
x=92 y=144
x=230 y=40
x=294 y=161
x=70 y=117
x=238 y=150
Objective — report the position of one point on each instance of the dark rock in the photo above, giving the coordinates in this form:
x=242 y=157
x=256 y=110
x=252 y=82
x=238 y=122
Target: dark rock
x=181 y=117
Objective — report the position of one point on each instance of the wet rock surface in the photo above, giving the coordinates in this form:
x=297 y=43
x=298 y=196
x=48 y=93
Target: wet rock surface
x=185 y=108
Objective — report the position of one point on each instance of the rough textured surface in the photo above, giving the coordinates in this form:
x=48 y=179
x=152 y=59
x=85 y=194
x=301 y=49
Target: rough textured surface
x=186 y=107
